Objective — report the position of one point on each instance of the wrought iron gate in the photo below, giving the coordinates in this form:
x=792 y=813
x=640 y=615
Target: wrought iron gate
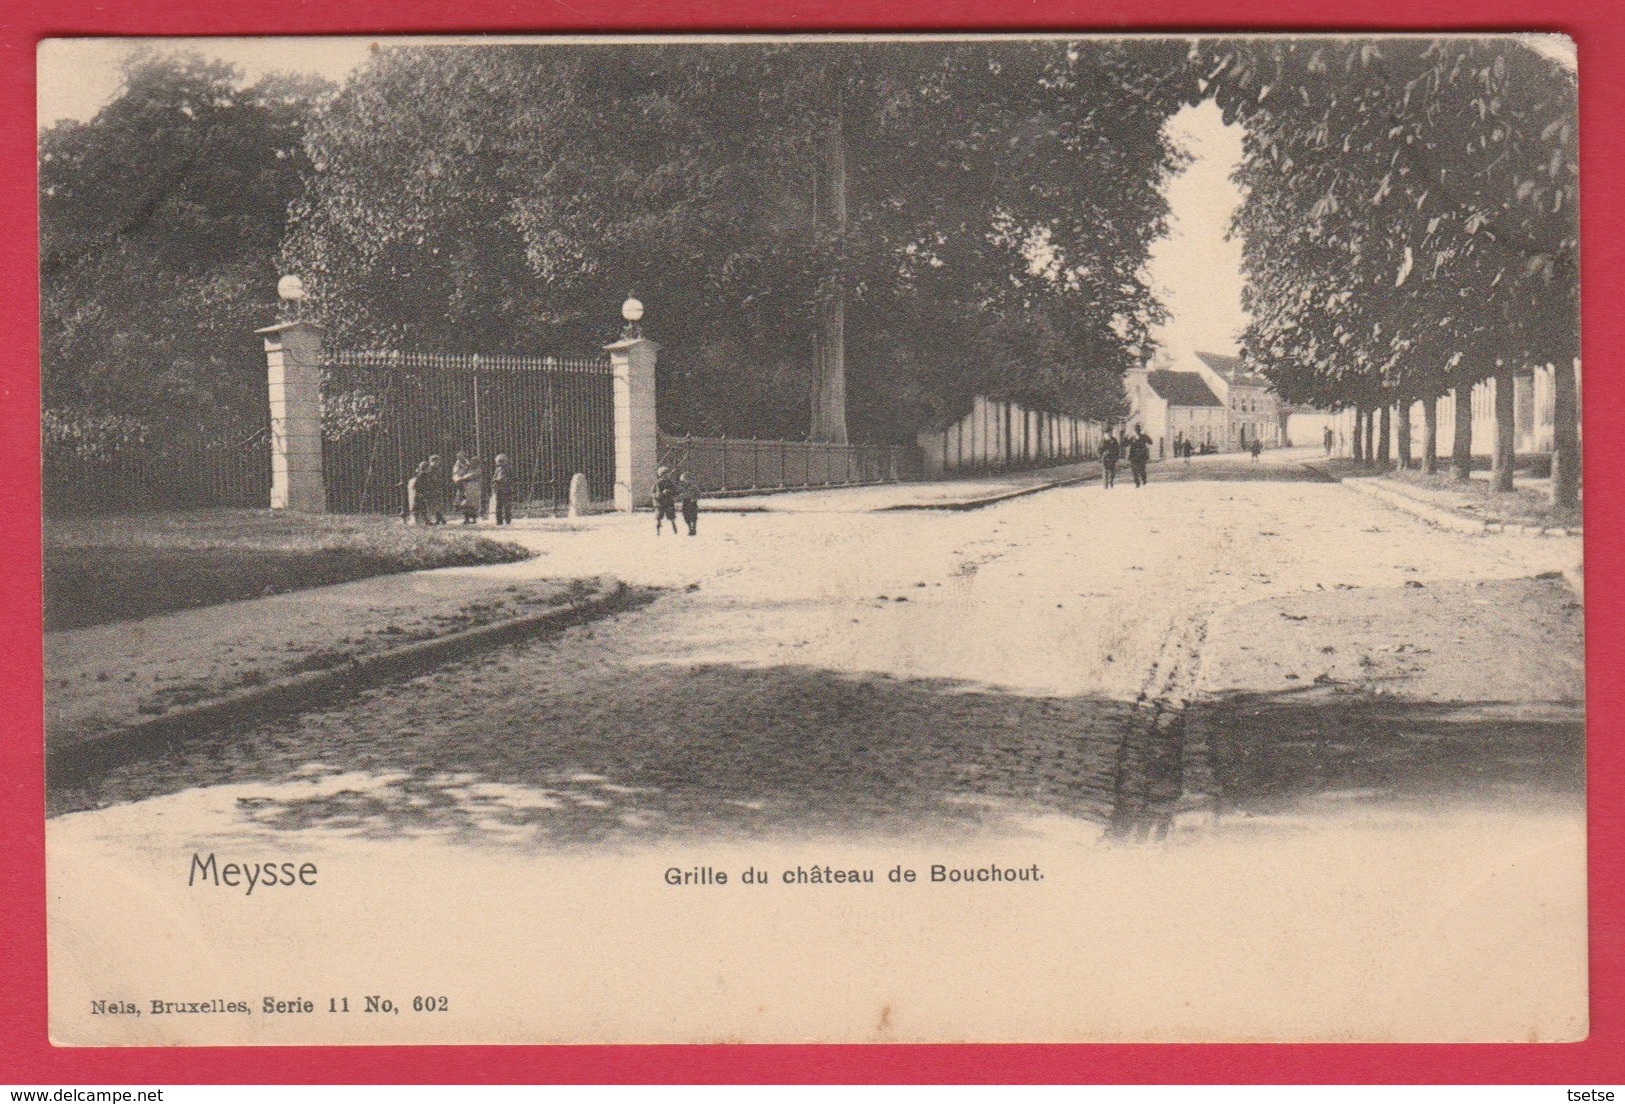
x=384 y=412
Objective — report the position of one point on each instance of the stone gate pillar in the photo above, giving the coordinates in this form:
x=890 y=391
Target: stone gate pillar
x=293 y=365
x=637 y=445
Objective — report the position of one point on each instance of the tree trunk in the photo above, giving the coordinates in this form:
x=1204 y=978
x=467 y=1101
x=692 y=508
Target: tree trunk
x=1402 y=433
x=1461 y=447
x=1370 y=435
x=1430 y=435
x=829 y=389
x=1359 y=435
x=1565 y=437
x=1384 y=436
x=1505 y=432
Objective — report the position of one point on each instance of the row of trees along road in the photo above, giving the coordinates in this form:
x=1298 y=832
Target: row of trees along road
x=909 y=223
x=1410 y=227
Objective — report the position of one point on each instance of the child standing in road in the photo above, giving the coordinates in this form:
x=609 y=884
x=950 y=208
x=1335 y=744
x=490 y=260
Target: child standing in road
x=665 y=498
x=689 y=498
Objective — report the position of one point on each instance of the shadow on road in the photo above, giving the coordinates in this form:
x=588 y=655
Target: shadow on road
x=721 y=751
x=663 y=751
x=1275 y=752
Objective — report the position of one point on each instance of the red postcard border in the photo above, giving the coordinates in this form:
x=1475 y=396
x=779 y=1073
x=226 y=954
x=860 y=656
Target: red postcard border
x=26 y=1056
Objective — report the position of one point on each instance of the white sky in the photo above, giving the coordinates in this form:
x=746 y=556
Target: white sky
x=77 y=76
x=1195 y=269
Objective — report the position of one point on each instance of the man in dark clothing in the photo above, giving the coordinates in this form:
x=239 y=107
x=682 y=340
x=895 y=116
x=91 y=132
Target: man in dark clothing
x=1110 y=454
x=502 y=490
x=665 y=498
x=1328 y=440
x=1139 y=455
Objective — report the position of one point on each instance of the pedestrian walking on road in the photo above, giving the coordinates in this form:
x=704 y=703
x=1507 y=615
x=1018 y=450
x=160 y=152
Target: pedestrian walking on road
x=1110 y=453
x=1327 y=436
x=688 y=497
x=1139 y=455
x=665 y=498
x=1257 y=447
x=501 y=490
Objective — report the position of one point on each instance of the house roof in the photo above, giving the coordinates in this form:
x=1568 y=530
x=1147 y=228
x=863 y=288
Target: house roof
x=1182 y=388
x=1230 y=367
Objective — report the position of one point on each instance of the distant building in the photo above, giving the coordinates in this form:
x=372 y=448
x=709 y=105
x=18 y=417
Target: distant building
x=1175 y=406
x=1255 y=414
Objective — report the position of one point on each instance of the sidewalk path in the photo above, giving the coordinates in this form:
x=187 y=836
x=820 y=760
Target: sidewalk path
x=106 y=678
x=944 y=494
x=1459 y=510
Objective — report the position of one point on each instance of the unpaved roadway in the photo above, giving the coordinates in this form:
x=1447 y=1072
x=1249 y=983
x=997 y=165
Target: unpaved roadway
x=1005 y=685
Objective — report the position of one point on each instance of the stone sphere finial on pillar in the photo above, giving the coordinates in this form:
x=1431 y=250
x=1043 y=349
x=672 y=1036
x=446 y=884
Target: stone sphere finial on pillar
x=291 y=291
x=632 y=311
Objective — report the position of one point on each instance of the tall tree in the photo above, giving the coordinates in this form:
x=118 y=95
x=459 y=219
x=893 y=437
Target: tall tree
x=1410 y=209
x=829 y=369
x=1430 y=435
x=160 y=222
x=964 y=216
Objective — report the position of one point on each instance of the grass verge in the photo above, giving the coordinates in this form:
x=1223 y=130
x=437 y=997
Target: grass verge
x=101 y=569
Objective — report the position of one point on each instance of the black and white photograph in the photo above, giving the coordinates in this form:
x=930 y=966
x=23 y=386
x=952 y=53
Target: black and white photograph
x=822 y=538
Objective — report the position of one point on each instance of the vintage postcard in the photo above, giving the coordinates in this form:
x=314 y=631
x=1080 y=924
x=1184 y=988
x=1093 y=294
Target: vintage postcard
x=956 y=538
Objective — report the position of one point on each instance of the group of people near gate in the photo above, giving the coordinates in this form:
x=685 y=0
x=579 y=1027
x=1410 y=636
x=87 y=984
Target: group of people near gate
x=432 y=490
x=1135 y=448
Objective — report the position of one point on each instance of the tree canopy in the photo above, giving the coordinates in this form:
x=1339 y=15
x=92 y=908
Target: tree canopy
x=1001 y=196
x=160 y=222
x=1409 y=217
x=1410 y=210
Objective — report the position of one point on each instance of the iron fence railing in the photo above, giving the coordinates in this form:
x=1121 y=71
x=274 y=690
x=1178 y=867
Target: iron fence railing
x=170 y=471
x=385 y=412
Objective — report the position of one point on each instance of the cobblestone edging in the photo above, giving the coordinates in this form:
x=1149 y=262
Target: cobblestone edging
x=1446 y=518
x=70 y=761
x=989 y=500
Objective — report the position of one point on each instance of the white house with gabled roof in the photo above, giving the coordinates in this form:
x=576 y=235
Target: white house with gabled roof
x=1174 y=406
x=1250 y=402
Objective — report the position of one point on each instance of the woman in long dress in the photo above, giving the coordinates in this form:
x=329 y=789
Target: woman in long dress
x=469 y=478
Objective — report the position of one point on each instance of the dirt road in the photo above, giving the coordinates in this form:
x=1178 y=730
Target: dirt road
x=1009 y=682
